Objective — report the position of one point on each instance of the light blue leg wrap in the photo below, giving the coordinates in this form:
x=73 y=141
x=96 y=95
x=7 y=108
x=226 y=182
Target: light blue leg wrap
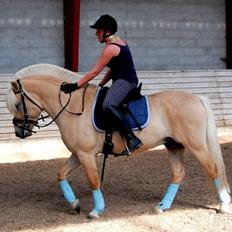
x=99 y=203
x=169 y=196
x=223 y=194
x=67 y=190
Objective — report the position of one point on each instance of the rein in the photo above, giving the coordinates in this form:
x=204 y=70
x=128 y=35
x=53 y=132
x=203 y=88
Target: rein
x=26 y=120
x=83 y=103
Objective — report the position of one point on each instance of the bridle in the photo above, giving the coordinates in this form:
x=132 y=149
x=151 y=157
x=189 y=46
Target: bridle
x=27 y=121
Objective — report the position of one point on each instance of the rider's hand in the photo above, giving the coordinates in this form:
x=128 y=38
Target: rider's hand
x=69 y=87
x=101 y=85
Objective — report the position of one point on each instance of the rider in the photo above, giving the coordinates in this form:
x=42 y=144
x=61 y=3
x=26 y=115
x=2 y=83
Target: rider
x=117 y=57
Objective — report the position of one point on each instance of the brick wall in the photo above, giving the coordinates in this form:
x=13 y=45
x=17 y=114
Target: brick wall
x=163 y=35
x=30 y=32
x=170 y=34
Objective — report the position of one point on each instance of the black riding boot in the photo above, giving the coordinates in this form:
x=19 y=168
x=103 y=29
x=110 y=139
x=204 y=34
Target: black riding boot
x=133 y=142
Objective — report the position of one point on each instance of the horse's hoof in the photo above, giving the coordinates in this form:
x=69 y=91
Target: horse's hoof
x=225 y=209
x=158 y=210
x=93 y=215
x=76 y=206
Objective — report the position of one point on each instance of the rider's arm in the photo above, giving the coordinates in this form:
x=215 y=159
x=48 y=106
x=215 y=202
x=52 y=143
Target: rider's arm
x=107 y=54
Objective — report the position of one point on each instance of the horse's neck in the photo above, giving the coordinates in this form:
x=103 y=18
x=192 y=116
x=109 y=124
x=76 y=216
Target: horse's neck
x=53 y=100
x=45 y=91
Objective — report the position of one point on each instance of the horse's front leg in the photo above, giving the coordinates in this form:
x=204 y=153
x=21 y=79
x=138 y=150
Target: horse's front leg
x=88 y=161
x=71 y=164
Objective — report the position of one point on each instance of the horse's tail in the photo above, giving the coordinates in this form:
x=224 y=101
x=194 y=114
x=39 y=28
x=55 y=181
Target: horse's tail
x=213 y=144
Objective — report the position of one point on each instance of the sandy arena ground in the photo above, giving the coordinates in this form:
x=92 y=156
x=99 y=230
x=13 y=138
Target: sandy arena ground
x=30 y=198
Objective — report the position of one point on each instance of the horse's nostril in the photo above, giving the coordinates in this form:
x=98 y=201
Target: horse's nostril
x=20 y=135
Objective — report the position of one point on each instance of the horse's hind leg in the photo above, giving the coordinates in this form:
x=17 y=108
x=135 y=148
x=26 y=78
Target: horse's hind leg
x=203 y=156
x=71 y=164
x=176 y=153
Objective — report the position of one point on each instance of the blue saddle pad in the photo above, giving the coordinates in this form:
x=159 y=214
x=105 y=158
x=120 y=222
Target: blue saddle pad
x=138 y=108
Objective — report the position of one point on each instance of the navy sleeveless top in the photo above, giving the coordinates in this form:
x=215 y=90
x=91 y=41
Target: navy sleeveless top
x=122 y=65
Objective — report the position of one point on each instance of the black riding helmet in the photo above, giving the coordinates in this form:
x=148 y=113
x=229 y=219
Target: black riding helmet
x=106 y=22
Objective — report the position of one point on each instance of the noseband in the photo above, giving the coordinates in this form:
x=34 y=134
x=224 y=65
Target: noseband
x=26 y=121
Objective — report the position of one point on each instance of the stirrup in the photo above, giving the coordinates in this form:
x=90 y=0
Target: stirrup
x=127 y=152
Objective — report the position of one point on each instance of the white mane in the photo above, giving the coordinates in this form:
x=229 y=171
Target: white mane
x=39 y=69
x=47 y=69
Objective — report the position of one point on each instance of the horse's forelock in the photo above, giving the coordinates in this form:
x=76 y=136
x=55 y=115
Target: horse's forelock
x=11 y=100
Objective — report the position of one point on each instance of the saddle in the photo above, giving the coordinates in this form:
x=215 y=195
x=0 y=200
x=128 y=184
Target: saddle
x=135 y=107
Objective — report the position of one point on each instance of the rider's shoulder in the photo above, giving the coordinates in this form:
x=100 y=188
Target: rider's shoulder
x=112 y=48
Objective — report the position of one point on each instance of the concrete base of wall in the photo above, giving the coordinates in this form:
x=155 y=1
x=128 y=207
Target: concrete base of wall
x=32 y=149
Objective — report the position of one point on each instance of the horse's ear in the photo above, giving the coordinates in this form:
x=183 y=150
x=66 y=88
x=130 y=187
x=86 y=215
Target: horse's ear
x=15 y=87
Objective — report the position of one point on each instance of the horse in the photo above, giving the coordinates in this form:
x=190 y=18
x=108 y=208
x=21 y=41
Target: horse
x=179 y=120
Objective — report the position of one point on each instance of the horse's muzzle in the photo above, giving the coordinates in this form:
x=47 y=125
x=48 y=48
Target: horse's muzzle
x=22 y=134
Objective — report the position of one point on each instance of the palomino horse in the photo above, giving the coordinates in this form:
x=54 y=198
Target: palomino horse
x=179 y=120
